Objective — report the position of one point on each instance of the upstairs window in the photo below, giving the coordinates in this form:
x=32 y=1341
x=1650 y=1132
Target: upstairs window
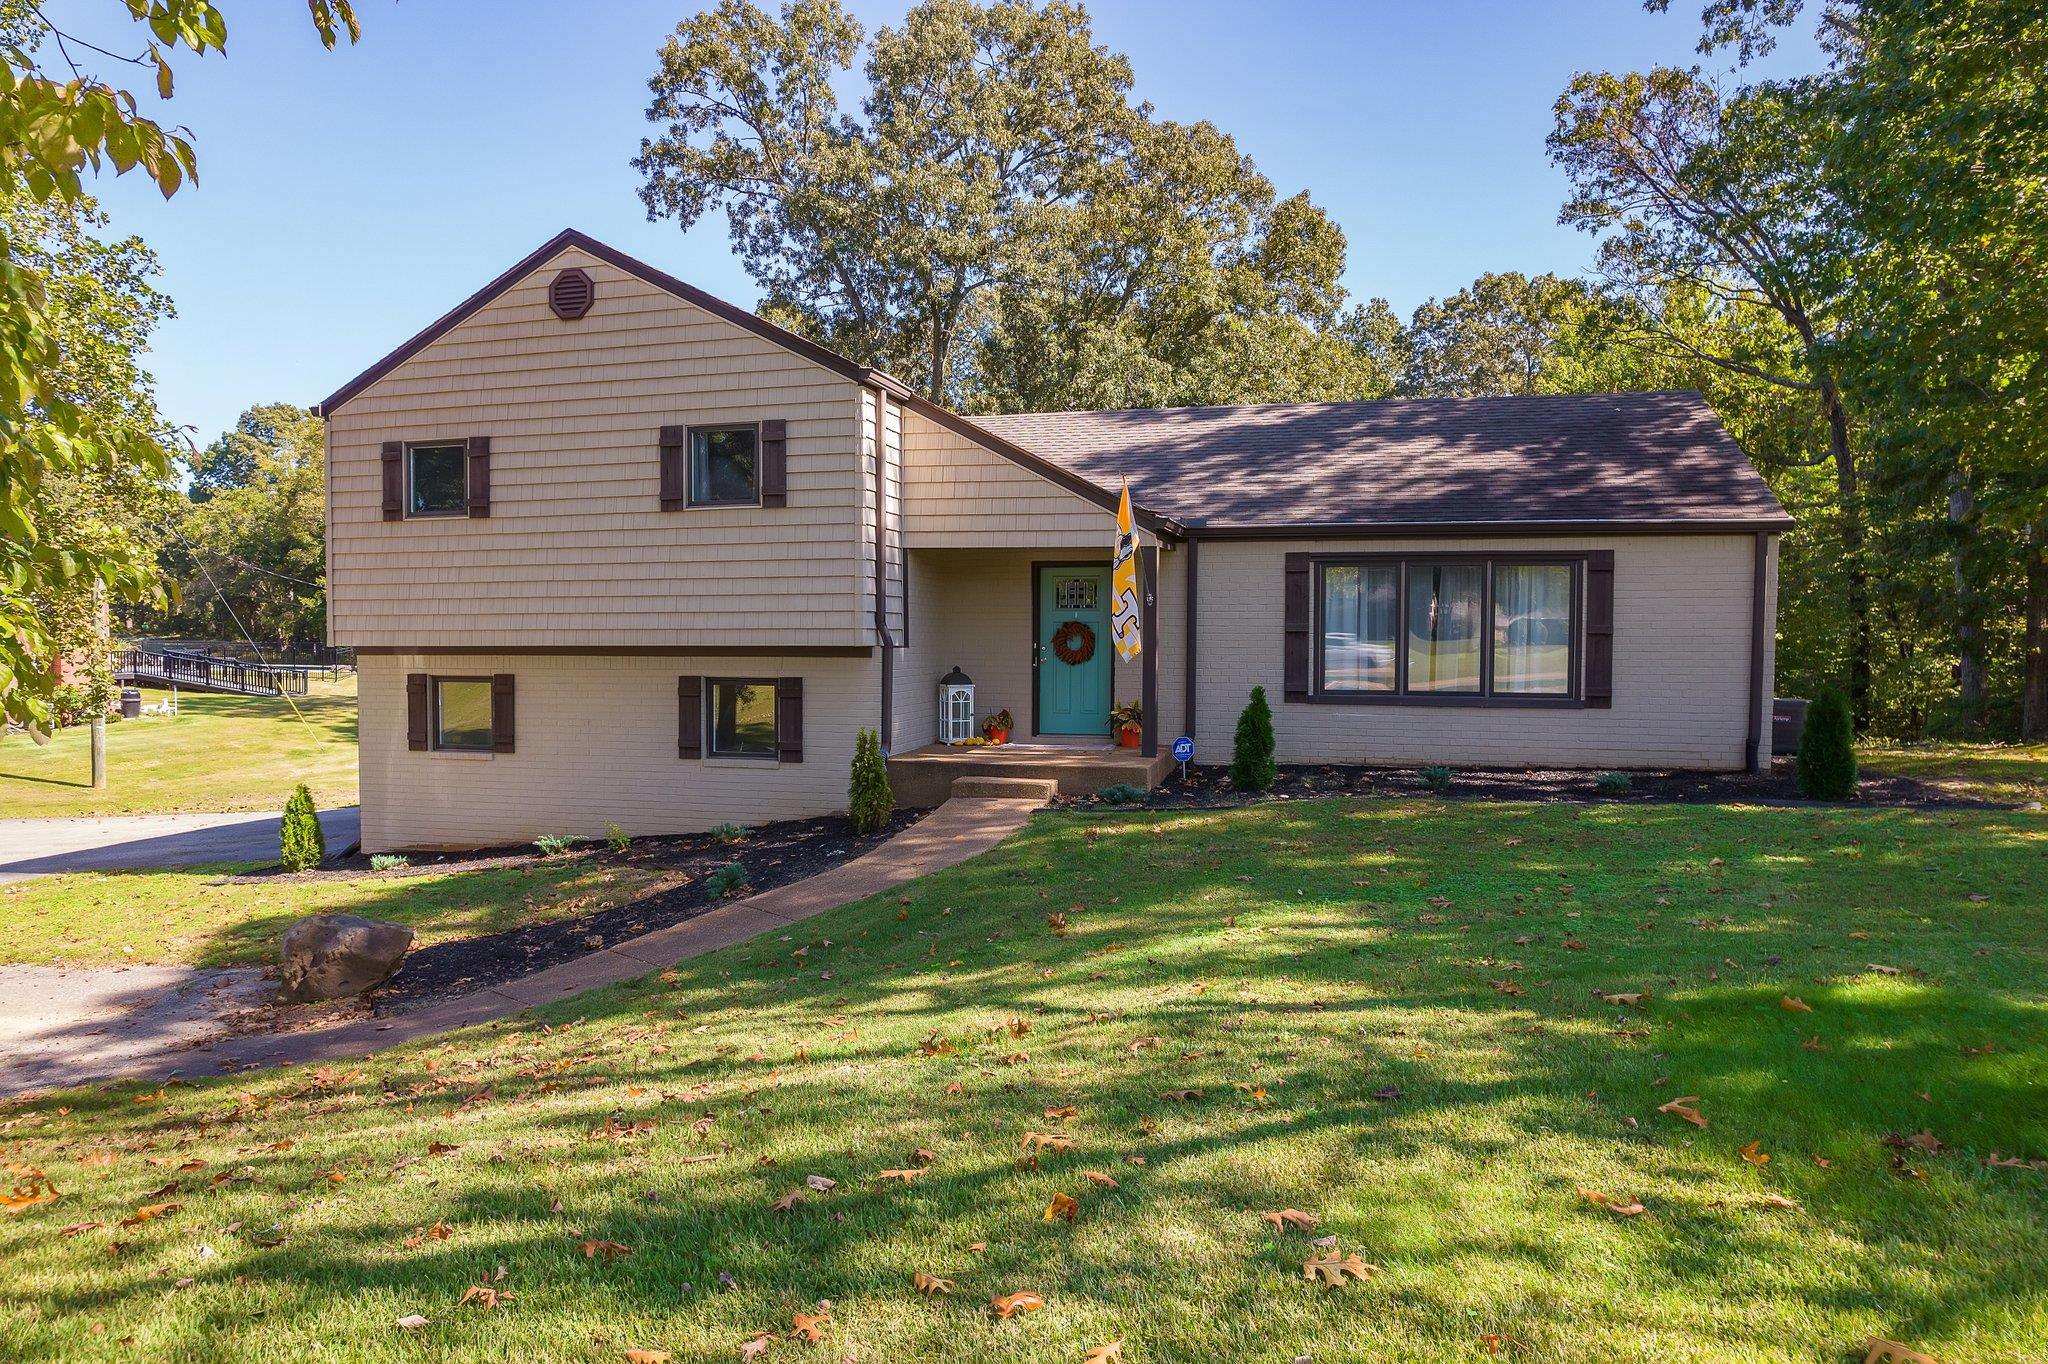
x=725 y=467
x=438 y=476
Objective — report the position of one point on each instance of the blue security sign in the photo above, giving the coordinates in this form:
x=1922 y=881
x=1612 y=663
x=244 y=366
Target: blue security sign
x=1183 y=749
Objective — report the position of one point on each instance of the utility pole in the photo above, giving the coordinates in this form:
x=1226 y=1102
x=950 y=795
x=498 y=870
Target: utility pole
x=101 y=666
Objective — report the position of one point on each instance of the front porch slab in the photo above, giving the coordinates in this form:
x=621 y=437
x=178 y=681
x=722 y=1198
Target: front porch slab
x=924 y=777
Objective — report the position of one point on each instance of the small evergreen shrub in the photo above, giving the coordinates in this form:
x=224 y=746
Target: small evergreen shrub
x=1611 y=783
x=1121 y=793
x=615 y=837
x=1251 y=757
x=729 y=879
x=869 y=801
x=1827 y=749
x=301 y=845
x=389 y=861
x=1438 y=778
x=551 y=845
x=729 y=832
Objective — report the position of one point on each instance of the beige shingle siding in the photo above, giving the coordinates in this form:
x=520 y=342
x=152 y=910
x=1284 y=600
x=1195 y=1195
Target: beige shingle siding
x=576 y=547
x=1681 y=665
x=596 y=743
x=960 y=495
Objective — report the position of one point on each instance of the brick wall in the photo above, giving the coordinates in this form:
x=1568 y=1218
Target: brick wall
x=597 y=743
x=1681 y=665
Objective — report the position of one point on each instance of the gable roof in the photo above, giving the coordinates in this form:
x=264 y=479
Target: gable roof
x=824 y=356
x=1648 y=461
x=1652 y=461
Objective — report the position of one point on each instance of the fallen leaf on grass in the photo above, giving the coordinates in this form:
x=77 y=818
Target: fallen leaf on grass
x=1332 y=1268
x=1010 y=1304
x=483 y=1295
x=440 y=1231
x=1795 y=1004
x=1181 y=1096
x=1884 y=1351
x=412 y=1321
x=1063 y=1206
x=1682 y=1109
x=821 y=1183
x=1778 y=1200
x=1755 y=1154
x=149 y=1212
x=1634 y=998
x=1291 y=1217
x=1111 y=1353
x=787 y=1201
x=610 y=1250
x=900 y=1176
x=1038 y=1142
x=930 y=1284
x=80 y=1228
x=33 y=1192
x=1619 y=1207
x=1062 y=1114
x=756 y=1345
x=808 y=1328
x=1098 y=1177
x=648 y=1357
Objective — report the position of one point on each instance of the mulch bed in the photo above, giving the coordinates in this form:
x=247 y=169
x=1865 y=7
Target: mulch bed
x=1208 y=788
x=774 y=855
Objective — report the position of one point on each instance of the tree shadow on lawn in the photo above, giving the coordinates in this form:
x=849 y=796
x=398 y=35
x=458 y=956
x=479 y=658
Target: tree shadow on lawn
x=1510 y=1104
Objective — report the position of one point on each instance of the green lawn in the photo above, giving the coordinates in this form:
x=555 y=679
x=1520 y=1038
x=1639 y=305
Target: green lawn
x=218 y=753
x=1383 y=1014
x=2006 y=772
x=198 y=916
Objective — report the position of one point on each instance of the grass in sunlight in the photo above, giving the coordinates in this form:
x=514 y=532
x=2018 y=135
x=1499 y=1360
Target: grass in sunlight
x=1414 y=1021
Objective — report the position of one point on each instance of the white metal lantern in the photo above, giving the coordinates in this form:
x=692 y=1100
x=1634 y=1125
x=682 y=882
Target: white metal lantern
x=956 y=707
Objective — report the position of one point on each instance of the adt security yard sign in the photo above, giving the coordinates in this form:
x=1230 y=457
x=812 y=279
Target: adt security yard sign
x=1183 y=750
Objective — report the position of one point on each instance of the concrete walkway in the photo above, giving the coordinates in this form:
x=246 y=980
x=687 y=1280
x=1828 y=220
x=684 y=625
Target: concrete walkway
x=956 y=831
x=43 y=847
x=58 y=1023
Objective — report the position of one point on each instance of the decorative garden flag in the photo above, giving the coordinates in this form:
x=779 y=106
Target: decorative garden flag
x=1123 y=583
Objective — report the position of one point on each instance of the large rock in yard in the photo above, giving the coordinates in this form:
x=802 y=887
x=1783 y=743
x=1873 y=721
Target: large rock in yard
x=332 y=956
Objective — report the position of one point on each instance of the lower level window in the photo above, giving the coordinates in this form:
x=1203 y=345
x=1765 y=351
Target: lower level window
x=742 y=717
x=462 y=714
x=1449 y=627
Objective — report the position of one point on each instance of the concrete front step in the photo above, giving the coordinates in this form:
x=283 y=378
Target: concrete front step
x=1006 y=788
x=926 y=776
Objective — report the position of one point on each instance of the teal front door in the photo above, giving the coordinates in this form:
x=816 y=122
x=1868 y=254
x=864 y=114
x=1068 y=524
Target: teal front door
x=1073 y=651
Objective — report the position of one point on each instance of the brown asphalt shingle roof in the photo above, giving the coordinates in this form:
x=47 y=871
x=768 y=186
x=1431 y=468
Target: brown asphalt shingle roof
x=1657 y=458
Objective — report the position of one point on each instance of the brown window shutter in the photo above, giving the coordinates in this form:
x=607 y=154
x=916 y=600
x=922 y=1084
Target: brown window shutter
x=501 y=713
x=394 y=480
x=1296 y=620
x=479 y=475
x=689 y=717
x=775 y=463
x=1600 y=629
x=789 y=719
x=416 y=711
x=675 y=470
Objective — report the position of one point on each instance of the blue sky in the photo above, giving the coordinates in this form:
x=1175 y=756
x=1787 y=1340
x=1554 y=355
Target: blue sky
x=348 y=198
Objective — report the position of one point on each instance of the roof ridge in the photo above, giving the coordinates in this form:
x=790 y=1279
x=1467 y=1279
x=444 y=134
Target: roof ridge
x=1390 y=400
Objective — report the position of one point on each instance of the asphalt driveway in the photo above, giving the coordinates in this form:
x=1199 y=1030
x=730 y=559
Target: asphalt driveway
x=41 y=847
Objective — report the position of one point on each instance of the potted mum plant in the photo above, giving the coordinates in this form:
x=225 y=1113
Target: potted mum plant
x=1128 y=720
x=996 y=729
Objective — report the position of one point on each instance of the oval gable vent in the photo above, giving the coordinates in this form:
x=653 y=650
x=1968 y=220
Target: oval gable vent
x=570 y=294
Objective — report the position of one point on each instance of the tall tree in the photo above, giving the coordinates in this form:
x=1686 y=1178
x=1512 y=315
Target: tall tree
x=1725 y=196
x=54 y=127
x=1002 y=221
x=250 y=549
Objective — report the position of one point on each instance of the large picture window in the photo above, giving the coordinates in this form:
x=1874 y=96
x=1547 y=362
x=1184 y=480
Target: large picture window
x=1450 y=629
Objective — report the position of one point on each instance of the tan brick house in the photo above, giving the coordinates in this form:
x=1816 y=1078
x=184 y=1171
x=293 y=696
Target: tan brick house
x=611 y=550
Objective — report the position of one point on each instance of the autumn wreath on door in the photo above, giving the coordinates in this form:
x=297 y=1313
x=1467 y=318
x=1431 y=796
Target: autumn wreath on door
x=1073 y=643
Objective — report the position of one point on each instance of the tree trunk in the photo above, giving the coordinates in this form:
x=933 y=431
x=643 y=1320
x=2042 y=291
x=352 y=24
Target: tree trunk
x=1969 y=628
x=935 y=382
x=2034 y=696
x=1848 y=489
